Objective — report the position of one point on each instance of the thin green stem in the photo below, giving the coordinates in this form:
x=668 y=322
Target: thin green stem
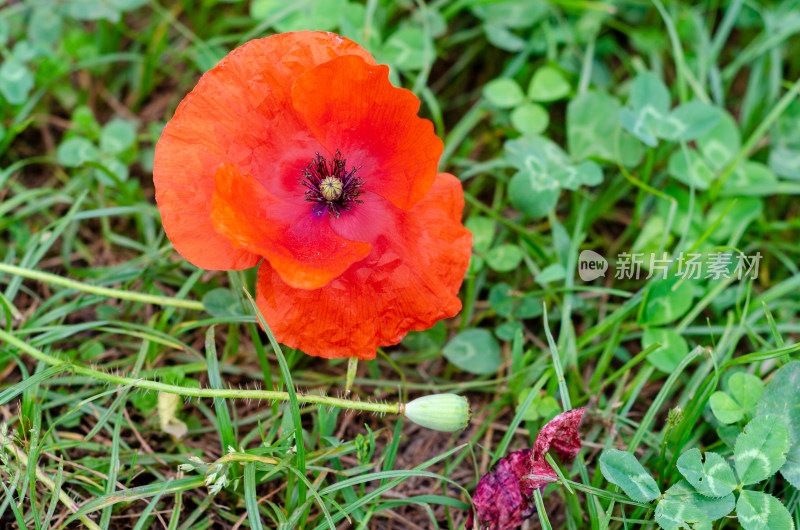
x=562 y=383
x=680 y=63
x=644 y=426
x=120 y=294
x=559 y=473
x=245 y=457
x=352 y=368
x=391 y=408
x=492 y=213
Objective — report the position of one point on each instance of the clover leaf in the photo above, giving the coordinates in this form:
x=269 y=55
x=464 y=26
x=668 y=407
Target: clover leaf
x=648 y=117
x=76 y=151
x=671 y=352
x=530 y=119
x=622 y=468
x=761 y=449
x=503 y=93
x=744 y=391
x=504 y=258
x=548 y=84
x=682 y=507
x=784 y=155
x=16 y=81
x=593 y=130
x=117 y=136
x=712 y=477
x=717 y=147
x=543 y=170
x=667 y=301
x=475 y=351
x=781 y=398
x=759 y=511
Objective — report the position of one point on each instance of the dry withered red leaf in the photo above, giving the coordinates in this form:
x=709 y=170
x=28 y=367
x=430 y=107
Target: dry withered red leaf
x=504 y=497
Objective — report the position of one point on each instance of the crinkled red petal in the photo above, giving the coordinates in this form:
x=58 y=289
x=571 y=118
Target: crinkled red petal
x=374 y=124
x=299 y=245
x=408 y=282
x=504 y=497
x=241 y=113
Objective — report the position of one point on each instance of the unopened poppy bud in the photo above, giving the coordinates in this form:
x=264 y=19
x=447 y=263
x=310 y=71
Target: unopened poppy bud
x=440 y=412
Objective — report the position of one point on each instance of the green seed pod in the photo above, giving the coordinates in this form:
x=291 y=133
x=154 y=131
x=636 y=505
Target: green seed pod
x=440 y=412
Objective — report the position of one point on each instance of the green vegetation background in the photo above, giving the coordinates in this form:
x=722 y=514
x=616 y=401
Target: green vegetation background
x=615 y=126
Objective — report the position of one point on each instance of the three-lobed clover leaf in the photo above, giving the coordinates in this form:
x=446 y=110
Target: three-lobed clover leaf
x=712 y=477
x=682 y=507
x=761 y=511
x=716 y=149
x=781 y=398
x=744 y=391
x=116 y=140
x=547 y=84
x=648 y=117
x=543 y=170
x=761 y=449
x=593 y=130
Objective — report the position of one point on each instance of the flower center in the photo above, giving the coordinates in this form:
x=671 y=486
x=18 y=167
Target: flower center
x=330 y=187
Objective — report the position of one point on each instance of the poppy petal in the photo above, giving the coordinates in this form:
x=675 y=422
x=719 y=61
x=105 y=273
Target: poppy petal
x=350 y=105
x=300 y=246
x=408 y=282
x=504 y=496
x=240 y=112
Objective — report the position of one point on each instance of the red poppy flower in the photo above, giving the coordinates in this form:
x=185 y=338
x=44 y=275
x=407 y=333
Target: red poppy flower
x=296 y=149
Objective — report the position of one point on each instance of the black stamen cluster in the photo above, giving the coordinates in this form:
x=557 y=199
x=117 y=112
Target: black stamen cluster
x=318 y=170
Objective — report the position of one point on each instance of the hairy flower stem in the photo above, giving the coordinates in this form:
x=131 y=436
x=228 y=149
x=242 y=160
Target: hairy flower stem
x=391 y=408
x=66 y=500
x=120 y=294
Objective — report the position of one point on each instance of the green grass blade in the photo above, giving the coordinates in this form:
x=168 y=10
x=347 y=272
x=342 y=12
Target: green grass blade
x=220 y=405
x=294 y=406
